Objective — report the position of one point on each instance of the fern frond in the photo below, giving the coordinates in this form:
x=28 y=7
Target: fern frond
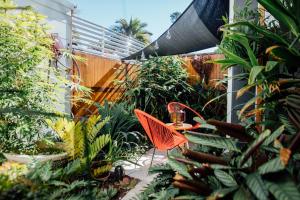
x=101 y=170
x=98 y=144
x=69 y=139
x=79 y=146
x=96 y=127
x=90 y=125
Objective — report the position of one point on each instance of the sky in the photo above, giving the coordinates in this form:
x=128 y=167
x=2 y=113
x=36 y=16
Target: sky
x=156 y=13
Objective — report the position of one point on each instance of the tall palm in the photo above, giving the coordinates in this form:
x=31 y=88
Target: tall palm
x=134 y=28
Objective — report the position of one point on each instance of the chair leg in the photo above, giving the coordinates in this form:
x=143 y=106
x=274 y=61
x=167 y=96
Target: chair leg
x=152 y=156
x=187 y=145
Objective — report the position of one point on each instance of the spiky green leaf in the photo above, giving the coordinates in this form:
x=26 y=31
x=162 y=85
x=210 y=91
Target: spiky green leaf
x=270 y=65
x=255 y=71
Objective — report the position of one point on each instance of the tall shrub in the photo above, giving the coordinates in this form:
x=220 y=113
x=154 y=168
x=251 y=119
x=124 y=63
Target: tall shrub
x=159 y=81
x=30 y=88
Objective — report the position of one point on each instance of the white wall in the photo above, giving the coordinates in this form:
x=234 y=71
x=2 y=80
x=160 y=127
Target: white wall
x=58 y=15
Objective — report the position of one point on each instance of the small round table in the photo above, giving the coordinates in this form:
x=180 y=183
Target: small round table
x=184 y=127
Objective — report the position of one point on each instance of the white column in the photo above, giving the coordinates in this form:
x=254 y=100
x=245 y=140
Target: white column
x=233 y=104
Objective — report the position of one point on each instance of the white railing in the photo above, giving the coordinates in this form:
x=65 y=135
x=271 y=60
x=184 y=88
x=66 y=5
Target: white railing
x=95 y=39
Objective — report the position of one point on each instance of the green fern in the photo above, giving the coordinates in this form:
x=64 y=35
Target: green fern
x=74 y=136
x=98 y=144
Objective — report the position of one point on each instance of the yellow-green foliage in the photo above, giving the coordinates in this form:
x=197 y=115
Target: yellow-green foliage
x=73 y=135
x=101 y=170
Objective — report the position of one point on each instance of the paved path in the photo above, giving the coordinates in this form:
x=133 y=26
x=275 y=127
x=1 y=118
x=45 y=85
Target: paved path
x=141 y=172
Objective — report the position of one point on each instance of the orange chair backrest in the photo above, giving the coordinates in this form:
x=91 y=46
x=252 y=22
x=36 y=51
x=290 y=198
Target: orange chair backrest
x=161 y=136
x=171 y=108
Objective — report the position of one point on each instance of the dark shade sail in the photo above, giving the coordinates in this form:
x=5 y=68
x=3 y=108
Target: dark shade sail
x=196 y=29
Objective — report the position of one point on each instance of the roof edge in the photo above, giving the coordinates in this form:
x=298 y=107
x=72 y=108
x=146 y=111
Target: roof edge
x=66 y=3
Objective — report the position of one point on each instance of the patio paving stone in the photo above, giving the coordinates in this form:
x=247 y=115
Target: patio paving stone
x=141 y=172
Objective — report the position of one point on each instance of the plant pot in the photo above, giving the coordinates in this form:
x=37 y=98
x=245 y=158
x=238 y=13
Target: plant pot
x=100 y=170
x=25 y=159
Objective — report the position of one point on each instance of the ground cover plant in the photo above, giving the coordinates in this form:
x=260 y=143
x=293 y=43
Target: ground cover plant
x=260 y=159
x=85 y=174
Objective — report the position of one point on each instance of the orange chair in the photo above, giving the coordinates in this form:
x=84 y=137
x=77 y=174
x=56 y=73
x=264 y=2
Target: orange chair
x=161 y=136
x=190 y=113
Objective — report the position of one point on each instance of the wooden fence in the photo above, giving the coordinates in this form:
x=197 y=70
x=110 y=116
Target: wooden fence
x=100 y=74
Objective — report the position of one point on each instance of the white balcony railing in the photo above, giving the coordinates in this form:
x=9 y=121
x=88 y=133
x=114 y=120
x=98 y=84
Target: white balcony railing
x=95 y=39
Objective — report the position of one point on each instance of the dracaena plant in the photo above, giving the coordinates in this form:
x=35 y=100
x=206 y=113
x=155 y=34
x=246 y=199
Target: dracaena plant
x=270 y=61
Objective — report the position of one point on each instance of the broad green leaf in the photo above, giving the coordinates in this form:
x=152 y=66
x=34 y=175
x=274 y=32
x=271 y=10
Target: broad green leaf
x=199 y=120
x=213 y=141
x=217 y=166
x=45 y=172
x=283 y=190
x=225 y=178
x=72 y=167
x=223 y=61
x=256 y=185
x=288 y=125
x=270 y=65
x=189 y=197
x=265 y=32
x=273 y=136
x=273 y=165
x=254 y=145
x=179 y=167
x=221 y=193
x=248 y=104
x=204 y=124
x=254 y=73
x=242 y=194
x=242 y=39
x=281 y=14
x=293 y=101
x=238 y=60
x=244 y=89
